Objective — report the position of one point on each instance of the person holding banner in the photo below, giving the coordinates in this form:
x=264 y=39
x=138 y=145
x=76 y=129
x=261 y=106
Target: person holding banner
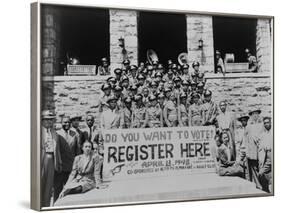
x=85 y=174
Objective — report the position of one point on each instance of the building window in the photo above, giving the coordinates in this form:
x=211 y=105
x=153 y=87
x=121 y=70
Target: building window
x=232 y=36
x=84 y=37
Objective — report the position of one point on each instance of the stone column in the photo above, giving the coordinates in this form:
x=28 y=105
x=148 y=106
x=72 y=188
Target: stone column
x=123 y=24
x=200 y=27
x=50 y=41
x=264 y=45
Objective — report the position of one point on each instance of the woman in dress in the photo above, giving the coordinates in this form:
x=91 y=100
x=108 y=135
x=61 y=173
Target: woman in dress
x=85 y=173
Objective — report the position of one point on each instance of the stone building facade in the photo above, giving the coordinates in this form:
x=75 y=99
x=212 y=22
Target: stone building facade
x=70 y=94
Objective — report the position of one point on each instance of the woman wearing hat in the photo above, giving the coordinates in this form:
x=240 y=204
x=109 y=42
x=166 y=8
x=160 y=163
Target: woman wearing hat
x=195 y=118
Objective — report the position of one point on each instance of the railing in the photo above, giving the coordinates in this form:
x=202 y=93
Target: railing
x=81 y=70
x=237 y=67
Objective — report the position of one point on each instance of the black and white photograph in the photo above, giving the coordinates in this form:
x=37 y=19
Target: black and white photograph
x=149 y=106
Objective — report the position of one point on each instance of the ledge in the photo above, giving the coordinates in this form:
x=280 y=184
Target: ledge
x=207 y=76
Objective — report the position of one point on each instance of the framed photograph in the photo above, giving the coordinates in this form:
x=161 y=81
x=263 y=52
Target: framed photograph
x=138 y=105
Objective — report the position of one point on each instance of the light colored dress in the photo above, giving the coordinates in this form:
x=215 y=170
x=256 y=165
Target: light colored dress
x=85 y=173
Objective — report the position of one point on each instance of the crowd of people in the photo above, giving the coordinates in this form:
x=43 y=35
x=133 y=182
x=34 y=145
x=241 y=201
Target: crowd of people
x=152 y=96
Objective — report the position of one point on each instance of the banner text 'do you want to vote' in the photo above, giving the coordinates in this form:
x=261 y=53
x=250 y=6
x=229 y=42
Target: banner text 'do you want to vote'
x=133 y=153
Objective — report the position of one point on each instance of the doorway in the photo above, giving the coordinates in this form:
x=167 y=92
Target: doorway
x=165 y=33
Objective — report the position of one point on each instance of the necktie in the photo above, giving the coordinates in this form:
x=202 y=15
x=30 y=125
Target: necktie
x=90 y=134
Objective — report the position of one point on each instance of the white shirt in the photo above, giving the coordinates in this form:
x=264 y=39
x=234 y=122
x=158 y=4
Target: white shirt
x=109 y=119
x=224 y=120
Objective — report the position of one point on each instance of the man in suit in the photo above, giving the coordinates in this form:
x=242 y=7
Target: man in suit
x=265 y=155
x=91 y=132
x=51 y=161
x=69 y=149
x=75 y=126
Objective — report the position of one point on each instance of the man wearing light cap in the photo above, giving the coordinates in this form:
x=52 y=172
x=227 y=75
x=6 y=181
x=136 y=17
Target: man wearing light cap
x=110 y=118
x=154 y=113
x=106 y=88
x=104 y=69
x=209 y=109
x=254 y=130
x=126 y=114
x=139 y=117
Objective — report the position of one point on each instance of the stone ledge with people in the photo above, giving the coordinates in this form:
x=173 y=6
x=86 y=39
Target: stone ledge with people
x=152 y=96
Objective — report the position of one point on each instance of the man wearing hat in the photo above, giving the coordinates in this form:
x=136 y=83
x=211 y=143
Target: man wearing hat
x=183 y=110
x=139 y=118
x=106 y=88
x=195 y=117
x=126 y=114
x=171 y=111
x=69 y=147
x=154 y=113
x=252 y=60
x=219 y=65
x=194 y=74
x=110 y=118
x=118 y=74
x=265 y=155
x=254 y=130
x=125 y=85
x=140 y=84
x=133 y=74
x=51 y=161
x=145 y=94
x=185 y=72
x=209 y=109
x=104 y=69
x=119 y=93
x=126 y=66
x=112 y=81
x=169 y=76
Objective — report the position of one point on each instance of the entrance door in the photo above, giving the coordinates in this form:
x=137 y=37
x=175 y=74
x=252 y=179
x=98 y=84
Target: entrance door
x=164 y=33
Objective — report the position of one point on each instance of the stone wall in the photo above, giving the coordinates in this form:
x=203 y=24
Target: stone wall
x=80 y=95
x=264 y=45
x=200 y=27
x=123 y=24
x=50 y=41
x=243 y=94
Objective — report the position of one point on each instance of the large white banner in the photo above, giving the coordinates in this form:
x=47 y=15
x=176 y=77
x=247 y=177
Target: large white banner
x=136 y=153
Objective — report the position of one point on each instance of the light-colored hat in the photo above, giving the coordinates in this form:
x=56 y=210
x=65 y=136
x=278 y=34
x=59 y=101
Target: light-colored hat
x=48 y=114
